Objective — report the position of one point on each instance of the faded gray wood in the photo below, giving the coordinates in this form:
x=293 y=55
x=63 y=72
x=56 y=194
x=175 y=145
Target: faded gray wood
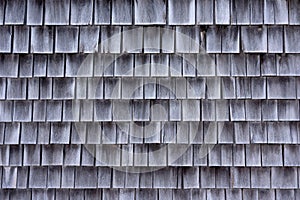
x=16 y=89
x=159 y=65
x=81 y=12
x=54 y=113
x=39 y=65
x=2 y=12
x=238 y=65
x=222 y=12
x=151 y=39
x=26 y=65
x=187 y=39
x=275 y=39
x=34 y=12
x=132 y=40
x=181 y=12
x=15 y=155
x=102 y=12
x=276 y=12
x=57 y=12
x=79 y=65
x=214 y=39
x=205 y=12
x=167 y=39
x=38 y=177
x=230 y=39
x=9 y=65
x=292 y=34
x=124 y=65
x=285 y=178
x=89 y=39
x=294 y=15
x=55 y=65
x=240 y=12
x=254 y=39
x=21 y=39
x=241 y=177
x=150 y=12
x=32 y=155
x=253 y=65
x=257 y=12
x=110 y=39
x=281 y=88
x=64 y=88
x=66 y=40
x=15 y=12
x=122 y=12
x=5 y=39
x=42 y=39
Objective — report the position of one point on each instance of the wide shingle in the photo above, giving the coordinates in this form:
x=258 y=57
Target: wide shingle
x=150 y=12
x=15 y=12
x=283 y=178
x=254 y=39
x=89 y=39
x=42 y=39
x=122 y=12
x=181 y=12
x=57 y=12
x=276 y=12
x=81 y=12
x=66 y=40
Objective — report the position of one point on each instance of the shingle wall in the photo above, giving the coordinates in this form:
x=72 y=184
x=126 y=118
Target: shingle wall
x=149 y=99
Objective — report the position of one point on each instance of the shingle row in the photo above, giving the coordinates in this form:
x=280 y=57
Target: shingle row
x=152 y=194
x=154 y=132
x=145 y=65
x=135 y=39
x=151 y=155
x=116 y=12
x=149 y=88
x=149 y=110
x=168 y=178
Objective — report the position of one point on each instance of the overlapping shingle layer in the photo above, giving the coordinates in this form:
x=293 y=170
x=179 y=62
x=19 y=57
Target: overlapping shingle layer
x=200 y=98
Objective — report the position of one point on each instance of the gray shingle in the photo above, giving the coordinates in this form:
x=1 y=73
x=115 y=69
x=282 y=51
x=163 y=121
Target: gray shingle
x=237 y=110
x=142 y=65
x=54 y=111
x=165 y=178
x=290 y=154
x=191 y=110
x=34 y=12
x=102 y=12
x=15 y=12
x=63 y=88
x=22 y=179
x=56 y=63
x=253 y=65
x=152 y=135
x=253 y=110
x=88 y=39
x=269 y=110
x=132 y=88
x=207 y=177
x=230 y=39
x=22 y=111
x=16 y=89
x=167 y=39
x=2 y=129
x=272 y=155
x=210 y=132
x=188 y=63
x=196 y=88
x=238 y=65
x=66 y=40
x=110 y=194
x=39 y=111
x=60 y=133
x=110 y=39
x=151 y=39
x=86 y=111
x=257 y=12
x=291 y=34
x=25 y=65
x=150 y=12
x=222 y=12
x=239 y=155
x=243 y=87
x=281 y=88
x=81 y=12
x=181 y=12
x=52 y=155
x=233 y=194
x=94 y=133
x=254 y=39
x=214 y=39
x=42 y=39
x=225 y=132
x=294 y=16
x=6 y=110
x=180 y=155
x=41 y=194
x=258 y=88
x=57 y=12
x=55 y=174
x=141 y=110
x=72 y=155
x=122 y=12
x=2 y=88
x=15 y=155
x=214 y=156
x=159 y=65
x=32 y=155
x=109 y=133
x=223 y=65
x=187 y=39
x=287 y=65
x=241 y=131
x=283 y=178
x=21 y=39
x=9 y=65
x=258 y=132
x=228 y=88
x=240 y=12
x=222 y=177
x=43 y=133
x=268 y=65
x=276 y=12
x=215 y=194
x=132 y=39
x=104 y=177
x=38 y=177
x=9 y=177
x=275 y=39
x=39 y=65
x=103 y=110
x=241 y=177
x=71 y=110
x=285 y=194
x=5 y=39
x=2 y=12
x=260 y=178
x=29 y=133
x=205 y=11
x=253 y=154
x=4 y=155
x=288 y=110
x=86 y=177
x=68 y=177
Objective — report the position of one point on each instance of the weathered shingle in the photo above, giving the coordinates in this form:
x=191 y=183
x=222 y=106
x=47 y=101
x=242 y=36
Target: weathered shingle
x=34 y=12
x=5 y=39
x=205 y=11
x=42 y=39
x=15 y=12
x=291 y=34
x=254 y=39
x=66 y=40
x=150 y=12
x=181 y=12
x=57 y=12
x=122 y=12
x=222 y=12
x=81 y=12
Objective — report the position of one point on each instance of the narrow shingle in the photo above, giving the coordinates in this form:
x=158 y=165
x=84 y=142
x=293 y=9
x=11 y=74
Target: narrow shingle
x=57 y=12
x=291 y=34
x=294 y=15
x=151 y=39
x=5 y=39
x=222 y=12
x=240 y=12
x=54 y=174
x=110 y=39
x=9 y=177
x=32 y=155
x=230 y=39
x=55 y=65
x=21 y=39
x=54 y=109
x=275 y=39
x=15 y=155
x=68 y=177
x=214 y=40
x=205 y=11
x=281 y=88
x=102 y=12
